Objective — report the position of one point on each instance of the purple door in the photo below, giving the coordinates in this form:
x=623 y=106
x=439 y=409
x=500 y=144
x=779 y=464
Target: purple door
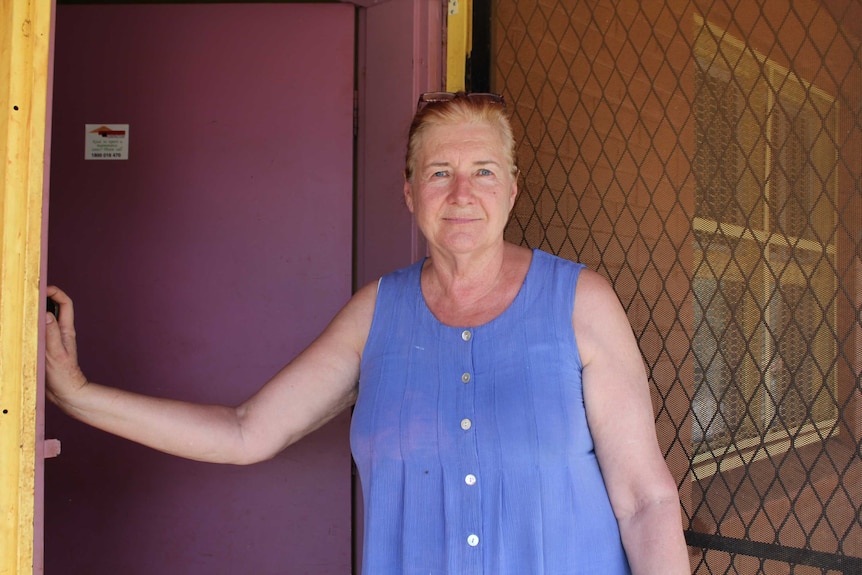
x=199 y=266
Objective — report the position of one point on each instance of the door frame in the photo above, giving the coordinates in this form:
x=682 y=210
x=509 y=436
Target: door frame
x=25 y=45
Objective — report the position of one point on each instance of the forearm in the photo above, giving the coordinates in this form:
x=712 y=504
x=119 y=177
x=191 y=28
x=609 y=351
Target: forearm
x=654 y=541
x=194 y=431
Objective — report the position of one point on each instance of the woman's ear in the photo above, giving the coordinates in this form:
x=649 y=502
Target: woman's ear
x=514 y=193
x=408 y=196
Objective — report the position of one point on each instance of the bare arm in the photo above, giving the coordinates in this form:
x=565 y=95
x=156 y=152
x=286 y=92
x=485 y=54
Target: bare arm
x=642 y=491
x=317 y=385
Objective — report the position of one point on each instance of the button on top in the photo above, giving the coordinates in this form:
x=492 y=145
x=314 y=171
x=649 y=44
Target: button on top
x=465 y=378
x=470 y=479
x=472 y=540
x=466 y=335
x=466 y=424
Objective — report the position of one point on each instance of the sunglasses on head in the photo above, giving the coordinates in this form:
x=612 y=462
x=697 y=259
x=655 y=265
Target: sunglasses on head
x=438 y=97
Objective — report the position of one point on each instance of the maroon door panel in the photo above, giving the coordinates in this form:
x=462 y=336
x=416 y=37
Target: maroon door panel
x=199 y=266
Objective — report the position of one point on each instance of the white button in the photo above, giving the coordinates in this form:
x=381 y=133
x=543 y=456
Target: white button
x=470 y=479
x=466 y=424
x=465 y=378
x=472 y=540
x=466 y=335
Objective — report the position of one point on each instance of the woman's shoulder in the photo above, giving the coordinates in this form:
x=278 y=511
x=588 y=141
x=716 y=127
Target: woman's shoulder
x=538 y=254
x=598 y=314
x=403 y=274
x=354 y=319
x=547 y=265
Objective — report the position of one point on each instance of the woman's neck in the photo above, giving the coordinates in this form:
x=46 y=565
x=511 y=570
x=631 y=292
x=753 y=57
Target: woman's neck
x=472 y=290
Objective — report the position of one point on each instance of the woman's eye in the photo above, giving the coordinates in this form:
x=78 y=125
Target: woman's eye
x=440 y=174
x=485 y=172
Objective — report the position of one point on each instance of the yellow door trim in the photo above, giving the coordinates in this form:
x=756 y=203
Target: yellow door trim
x=24 y=52
x=459 y=41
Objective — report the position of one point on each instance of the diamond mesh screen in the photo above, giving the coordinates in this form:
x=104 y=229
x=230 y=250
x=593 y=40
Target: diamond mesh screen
x=706 y=157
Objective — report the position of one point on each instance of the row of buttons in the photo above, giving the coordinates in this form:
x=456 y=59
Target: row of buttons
x=466 y=425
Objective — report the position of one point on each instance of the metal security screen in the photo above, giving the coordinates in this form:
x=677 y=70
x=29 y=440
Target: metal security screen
x=707 y=158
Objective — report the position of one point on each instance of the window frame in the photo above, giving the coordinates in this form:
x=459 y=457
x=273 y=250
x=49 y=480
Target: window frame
x=722 y=56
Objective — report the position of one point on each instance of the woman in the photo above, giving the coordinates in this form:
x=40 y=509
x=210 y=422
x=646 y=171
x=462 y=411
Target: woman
x=503 y=422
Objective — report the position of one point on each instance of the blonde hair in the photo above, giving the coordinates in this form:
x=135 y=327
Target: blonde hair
x=460 y=109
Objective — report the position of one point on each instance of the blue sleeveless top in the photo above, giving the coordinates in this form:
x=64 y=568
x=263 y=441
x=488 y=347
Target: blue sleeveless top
x=472 y=442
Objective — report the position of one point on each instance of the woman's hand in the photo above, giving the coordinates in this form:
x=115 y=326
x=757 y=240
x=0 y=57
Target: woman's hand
x=62 y=373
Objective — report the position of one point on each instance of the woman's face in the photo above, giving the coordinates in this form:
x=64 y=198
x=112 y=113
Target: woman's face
x=463 y=188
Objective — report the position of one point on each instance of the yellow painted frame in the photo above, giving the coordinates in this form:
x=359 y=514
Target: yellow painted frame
x=25 y=36
x=459 y=42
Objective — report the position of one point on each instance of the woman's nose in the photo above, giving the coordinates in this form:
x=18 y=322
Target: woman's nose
x=462 y=189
